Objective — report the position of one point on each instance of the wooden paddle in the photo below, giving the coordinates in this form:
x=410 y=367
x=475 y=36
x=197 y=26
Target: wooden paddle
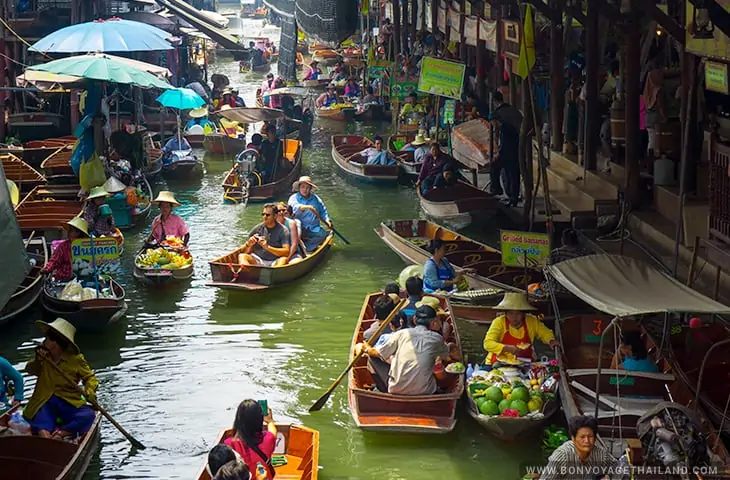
x=27 y=242
x=135 y=443
x=330 y=227
x=323 y=399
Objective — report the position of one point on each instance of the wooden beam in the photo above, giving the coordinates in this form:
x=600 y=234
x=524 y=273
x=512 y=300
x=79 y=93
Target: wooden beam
x=632 y=82
x=577 y=14
x=665 y=21
x=555 y=16
x=612 y=13
x=557 y=81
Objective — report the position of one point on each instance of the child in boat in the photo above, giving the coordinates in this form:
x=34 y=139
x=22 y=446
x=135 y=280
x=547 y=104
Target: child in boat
x=60 y=264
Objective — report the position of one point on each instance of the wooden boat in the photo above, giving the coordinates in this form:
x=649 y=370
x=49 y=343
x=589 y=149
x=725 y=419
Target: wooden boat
x=227 y=272
x=325 y=56
x=46 y=216
x=159 y=276
x=56 y=192
x=408 y=128
x=153 y=157
x=24 y=176
x=300 y=446
x=343 y=149
x=34 y=152
x=222 y=144
x=92 y=315
x=340 y=113
x=37 y=125
x=233 y=191
x=409 y=239
x=460 y=204
x=375 y=410
x=28 y=456
x=404 y=159
x=57 y=167
x=186 y=165
x=28 y=291
x=195 y=140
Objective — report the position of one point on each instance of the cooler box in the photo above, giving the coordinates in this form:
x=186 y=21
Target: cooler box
x=121 y=212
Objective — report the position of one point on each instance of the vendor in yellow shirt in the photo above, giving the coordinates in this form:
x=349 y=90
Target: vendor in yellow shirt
x=512 y=334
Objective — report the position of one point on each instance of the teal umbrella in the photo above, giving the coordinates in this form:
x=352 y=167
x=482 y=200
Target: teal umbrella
x=180 y=98
x=102 y=68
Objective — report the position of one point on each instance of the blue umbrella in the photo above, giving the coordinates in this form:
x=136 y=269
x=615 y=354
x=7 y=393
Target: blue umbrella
x=113 y=35
x=180 y=98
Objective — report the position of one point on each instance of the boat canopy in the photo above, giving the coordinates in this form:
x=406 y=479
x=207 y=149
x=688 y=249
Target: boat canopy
x=15 y=263
x=252 y=115
x=623 y=287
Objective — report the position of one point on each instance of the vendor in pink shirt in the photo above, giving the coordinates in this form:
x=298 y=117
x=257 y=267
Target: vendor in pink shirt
x=166 y=223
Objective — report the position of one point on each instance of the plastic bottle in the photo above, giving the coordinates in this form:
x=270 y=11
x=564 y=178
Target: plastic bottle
x=414 y=228
x=260 y=469
x=469 y=371
x=19 y=424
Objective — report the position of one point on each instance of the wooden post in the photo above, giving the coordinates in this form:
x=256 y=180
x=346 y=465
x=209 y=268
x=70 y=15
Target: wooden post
x=414 y=20
x=693 y=263
x=631 y=85
x=498 y=61
x=525 y=149
x=557 y=81
x=462 y=36
x=434 y=17
x=396 y=30
x=481 y=53
x=718 y=273
x=593 y=60
x=406 y=29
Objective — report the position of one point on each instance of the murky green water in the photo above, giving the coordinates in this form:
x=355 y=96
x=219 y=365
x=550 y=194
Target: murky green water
x=174 y=371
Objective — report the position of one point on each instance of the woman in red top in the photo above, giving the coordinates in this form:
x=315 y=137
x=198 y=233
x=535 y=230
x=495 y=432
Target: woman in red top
x=249 y=439
x=60 y=263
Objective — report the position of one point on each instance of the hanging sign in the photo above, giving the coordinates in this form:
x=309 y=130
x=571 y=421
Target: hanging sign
x=488 y=33
x=471 y=24
x=402 y=87
x=520 y=246
x=105 y=253
x=428 y=15
x=716 y=77
x=449 y=111
x=452 y=19
x=441 y=77
x=378 y=68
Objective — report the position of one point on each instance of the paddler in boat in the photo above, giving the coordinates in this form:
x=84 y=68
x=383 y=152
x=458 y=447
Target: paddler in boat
x=512 y=334
x=54 y=398
x=314 y=71
x=199 y=116
x=60 y=265
x=167 y=224
x=580 y=452
x=328 y=98
x=266 y=87
x=268 y=242
x=436 y=171
x=352 y=89
x=376 y=155
x=309 y=208
x=284 y=217
x=413 y=354
x=272 y=156
x=177 y=143
x=438 y=273
x=419 y=146
x=100 y=221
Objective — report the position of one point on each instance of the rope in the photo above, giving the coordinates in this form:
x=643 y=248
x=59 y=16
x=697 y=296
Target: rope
x=722 y=422
x=234 y=271
x=21 y=38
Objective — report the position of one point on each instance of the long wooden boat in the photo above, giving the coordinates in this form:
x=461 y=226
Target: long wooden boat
x=300 y=446
x=233 y=191
x=92 y=315
x=56 y=192
x=34 y=152
x=46 y=216
x=404 y=159
x=57 y=168
x=37 y=125
x=409 y=239
x=460 y=204
x=343 y=149
x=182 y=168
x=379 y=411
x=29 y=456
x=227 y=271
x=28 y=291
x=325 y=56
x=196 y=140
x=222 y=144
x=161 y=276
x=339 y=113
x=24 y=176
x=624 y=396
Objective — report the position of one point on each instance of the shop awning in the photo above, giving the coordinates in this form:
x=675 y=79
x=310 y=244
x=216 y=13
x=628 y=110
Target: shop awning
x=623 y=287
x=252 y=115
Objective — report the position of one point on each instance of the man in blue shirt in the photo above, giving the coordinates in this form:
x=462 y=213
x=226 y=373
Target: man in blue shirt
x=308 y=208
x=8 y=374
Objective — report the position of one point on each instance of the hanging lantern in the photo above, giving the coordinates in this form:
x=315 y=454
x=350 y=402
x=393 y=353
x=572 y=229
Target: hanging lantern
x=702 y=26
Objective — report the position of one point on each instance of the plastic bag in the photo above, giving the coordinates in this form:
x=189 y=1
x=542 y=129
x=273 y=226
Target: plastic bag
x=88 y=294
x=92 y=173
x=72 y=291
x=19 y=424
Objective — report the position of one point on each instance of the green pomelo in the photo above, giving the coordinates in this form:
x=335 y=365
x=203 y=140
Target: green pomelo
x=489 y=407
x=520 y=406
x=504 y=405
x=495 y=394
x=521 y=393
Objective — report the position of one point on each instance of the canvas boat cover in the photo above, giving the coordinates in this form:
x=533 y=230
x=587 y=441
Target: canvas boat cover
x=471 y=143
x=252 y=115
x=15 y=261
x=623 y=287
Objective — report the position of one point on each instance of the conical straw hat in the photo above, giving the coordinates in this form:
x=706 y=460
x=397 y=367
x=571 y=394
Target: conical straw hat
x=166 y=196
x=61 y=327
x=97 y=192
x=114 y=185
x=198 y=112
x=432 y=302
x=515 y=302
x=80 y=224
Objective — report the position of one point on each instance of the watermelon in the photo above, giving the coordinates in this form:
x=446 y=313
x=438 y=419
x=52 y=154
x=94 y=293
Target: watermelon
x=489 y=407
x=495 y=394
x=521 y=393
x=520 y=406
x=505 y=405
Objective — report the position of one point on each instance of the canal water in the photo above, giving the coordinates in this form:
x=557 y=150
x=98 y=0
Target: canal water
x=174 y=371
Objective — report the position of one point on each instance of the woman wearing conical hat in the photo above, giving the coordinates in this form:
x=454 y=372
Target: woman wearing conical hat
x=99 y=223
x=54 y=397
x=168 y=224
x=60 y=264
x=513 y=333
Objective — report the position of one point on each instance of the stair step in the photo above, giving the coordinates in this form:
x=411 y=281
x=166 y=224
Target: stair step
x=591 y=184
x=571 y=205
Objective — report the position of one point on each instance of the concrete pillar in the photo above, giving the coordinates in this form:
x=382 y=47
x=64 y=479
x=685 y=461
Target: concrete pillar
x=593 y=61
x=631 y=84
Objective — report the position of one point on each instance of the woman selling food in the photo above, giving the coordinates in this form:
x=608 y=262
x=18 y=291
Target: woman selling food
x=167 y=224
x=438 y=273
x=100 y=220
x=512 y=334
x=60 y=264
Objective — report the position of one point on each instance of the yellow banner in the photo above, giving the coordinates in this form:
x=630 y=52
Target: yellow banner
x=716 y=77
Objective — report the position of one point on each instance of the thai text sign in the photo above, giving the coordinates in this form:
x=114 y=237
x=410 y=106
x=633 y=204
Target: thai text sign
x=488 y=33
x=520 y=246
x=441 y=77
x=105 y=255
x=402 y=87
x=716 y=77
x=378 y=68
x=449 y=111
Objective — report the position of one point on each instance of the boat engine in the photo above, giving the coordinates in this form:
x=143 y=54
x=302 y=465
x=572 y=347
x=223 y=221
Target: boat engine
x=673 y=436
x=246 y=162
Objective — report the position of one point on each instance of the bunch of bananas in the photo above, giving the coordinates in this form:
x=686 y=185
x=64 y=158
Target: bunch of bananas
x=161 y=258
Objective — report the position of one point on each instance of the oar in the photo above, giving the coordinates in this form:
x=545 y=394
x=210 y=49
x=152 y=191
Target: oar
x=323 y=399
x=331 y=227
x=135 y=443
x=27 y=242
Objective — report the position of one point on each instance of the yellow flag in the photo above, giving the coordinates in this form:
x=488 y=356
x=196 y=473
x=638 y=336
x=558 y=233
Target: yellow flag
x=527 y=46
